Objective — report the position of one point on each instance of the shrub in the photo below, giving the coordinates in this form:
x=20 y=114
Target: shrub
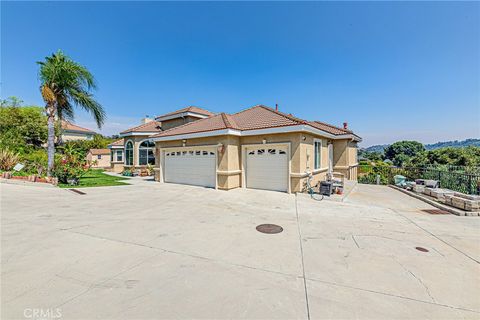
x=70 y=167
x=8 y=159
x=36 y=162
x=371 y=178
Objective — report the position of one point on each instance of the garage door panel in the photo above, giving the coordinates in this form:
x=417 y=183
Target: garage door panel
x=267 y=168
x=194 y=167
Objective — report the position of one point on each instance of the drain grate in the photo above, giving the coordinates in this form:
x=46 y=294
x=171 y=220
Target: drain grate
x=435 y=211
x=77 y=191
x=269 y=228
x=421 y=249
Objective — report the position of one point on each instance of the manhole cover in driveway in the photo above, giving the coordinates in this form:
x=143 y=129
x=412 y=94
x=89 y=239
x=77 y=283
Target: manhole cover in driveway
x=421 y=249
x=269 y=228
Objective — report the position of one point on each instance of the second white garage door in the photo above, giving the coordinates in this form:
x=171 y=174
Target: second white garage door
x=267 y=168
x=192 y=166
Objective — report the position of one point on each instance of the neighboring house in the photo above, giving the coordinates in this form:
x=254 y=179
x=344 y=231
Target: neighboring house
x=116 y=155
x=71 y=132
x=259 y=148
x=101 y=158
x=137 y=150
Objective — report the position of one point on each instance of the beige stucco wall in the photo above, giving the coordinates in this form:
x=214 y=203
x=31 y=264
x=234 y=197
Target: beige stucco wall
x=136 y=143
x=229 y=160
x=104 y=162
x=168 y=124
x=71 y=136
x=307 y=151
x=345 y=158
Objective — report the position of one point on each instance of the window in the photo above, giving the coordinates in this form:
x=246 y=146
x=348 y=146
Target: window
x=129 y=153
x=119 y=155
x=145 y=153
x=99 y=157
x=317 y=153
x=111 y=155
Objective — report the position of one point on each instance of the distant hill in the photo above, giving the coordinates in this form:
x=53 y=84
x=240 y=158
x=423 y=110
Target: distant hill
x=454 y=144
x=376 y=148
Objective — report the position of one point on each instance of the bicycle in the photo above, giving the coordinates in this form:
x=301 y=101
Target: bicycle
x=314 y=195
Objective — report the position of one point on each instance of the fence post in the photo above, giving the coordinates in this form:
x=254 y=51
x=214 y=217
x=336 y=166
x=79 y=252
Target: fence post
x=439 y=179
x=470 y=186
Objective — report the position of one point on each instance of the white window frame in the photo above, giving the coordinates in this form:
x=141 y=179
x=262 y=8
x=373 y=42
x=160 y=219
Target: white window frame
x=145 y=148
x=319 y=141
x=133 y=156
x=118 y=152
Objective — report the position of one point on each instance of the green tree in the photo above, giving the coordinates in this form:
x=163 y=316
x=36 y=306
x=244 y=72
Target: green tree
x=401 y=151
x=83 y=146
x=65 y=84
x=11 y=102
x=22 y=129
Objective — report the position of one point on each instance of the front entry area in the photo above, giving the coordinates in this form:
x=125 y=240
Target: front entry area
x=267 y=168
x=194 y=166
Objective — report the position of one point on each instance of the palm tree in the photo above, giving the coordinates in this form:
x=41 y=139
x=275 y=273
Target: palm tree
x=65 y=84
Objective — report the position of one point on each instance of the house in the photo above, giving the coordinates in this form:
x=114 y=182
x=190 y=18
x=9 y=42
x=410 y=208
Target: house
x=136 y=149
x=71 y=132
x=116 y=155
x=100 y=158
x=259 y=148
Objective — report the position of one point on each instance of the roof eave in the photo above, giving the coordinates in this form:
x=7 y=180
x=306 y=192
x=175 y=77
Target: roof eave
x=181 y=115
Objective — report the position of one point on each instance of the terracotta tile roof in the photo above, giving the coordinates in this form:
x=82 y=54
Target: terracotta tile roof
x=152 y=126
x=119 y=142
x=67 y=125
x=99 y=151
x=257 y=117
x=328 y=128
x=203 y=125
x=189 y=109
x=261 y=117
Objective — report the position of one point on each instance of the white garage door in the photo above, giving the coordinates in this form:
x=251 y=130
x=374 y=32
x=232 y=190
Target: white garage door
x=193 y=166
x=267 y=168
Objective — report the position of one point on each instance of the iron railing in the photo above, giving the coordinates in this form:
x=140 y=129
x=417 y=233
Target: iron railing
x=460 y=181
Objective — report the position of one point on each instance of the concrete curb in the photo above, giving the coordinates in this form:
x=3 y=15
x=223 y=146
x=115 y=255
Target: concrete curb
x=437 y=204
x=27 y=183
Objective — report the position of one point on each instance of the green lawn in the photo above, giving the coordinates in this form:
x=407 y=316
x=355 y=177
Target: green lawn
x=96 y=178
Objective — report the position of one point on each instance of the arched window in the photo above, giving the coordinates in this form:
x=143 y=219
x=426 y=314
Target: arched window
x=145 y=153
x=129 y=153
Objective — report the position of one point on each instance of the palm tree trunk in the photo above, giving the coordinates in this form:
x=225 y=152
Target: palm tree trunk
x=51 y=140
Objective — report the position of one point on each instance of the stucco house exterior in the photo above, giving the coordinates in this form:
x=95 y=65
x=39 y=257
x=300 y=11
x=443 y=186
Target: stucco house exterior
x=116 y=149
x=72 y=132
x=101 y=158
x=137 y=150
x=259 y=148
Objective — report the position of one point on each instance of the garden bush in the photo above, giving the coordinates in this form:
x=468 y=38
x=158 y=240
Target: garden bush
x=8 y=159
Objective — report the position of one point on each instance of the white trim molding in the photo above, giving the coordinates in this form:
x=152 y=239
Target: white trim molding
x=285 y=129
x=181 y=115
x=138 y=133
x=229 y=173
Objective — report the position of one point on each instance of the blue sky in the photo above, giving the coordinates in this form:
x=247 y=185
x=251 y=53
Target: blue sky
x=401 y=70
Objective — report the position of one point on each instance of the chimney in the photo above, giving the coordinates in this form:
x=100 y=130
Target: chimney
x=276 y=106
x=345 y=125
x=146 y=120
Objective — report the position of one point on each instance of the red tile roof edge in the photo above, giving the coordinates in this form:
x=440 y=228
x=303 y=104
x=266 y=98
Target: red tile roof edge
x=134 y=129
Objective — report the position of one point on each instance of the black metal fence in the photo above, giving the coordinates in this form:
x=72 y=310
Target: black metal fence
x=459 y=180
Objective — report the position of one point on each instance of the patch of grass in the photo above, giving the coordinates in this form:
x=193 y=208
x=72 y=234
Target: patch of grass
x=96 y=178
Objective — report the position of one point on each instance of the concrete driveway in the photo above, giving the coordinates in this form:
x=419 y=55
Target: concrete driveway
x=153 y=251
